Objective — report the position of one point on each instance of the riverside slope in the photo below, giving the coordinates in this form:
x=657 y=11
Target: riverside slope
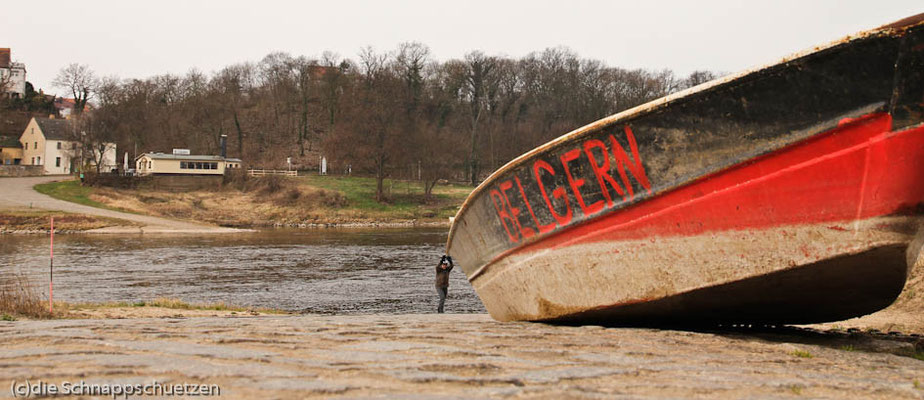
x=19 y=193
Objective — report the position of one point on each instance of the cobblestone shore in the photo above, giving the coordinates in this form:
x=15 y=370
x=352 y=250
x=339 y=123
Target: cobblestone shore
x=453 y=356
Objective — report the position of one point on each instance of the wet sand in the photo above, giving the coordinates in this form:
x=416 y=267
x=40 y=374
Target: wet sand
x=456 y=356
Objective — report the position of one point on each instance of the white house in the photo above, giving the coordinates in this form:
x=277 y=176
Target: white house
x=183 y=164
x=49 y=142
x=12 y=74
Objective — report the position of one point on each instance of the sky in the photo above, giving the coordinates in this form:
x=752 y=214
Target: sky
x=139 y=39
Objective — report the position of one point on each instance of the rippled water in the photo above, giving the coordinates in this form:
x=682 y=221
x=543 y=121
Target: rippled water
x=313 y=271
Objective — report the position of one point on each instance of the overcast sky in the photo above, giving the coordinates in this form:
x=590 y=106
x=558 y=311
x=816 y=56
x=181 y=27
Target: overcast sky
x=137 y=39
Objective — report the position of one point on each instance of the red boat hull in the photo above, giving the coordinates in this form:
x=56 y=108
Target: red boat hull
x=838 y=209
x=792 y=193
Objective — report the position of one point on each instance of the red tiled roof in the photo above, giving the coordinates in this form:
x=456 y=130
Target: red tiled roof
x=62 y=103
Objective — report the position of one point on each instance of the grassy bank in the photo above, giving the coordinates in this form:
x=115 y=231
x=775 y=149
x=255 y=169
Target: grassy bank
x=405 y=198
x=25 y=220
x=70 y=191
x=276 y=200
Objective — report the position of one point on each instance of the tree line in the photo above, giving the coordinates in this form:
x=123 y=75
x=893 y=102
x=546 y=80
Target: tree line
x=399 y=113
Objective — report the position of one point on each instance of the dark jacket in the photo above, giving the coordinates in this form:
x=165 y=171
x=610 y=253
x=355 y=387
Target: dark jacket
x=442 y=274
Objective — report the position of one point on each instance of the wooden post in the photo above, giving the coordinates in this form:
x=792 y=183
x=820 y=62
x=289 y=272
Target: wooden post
x=51 y=269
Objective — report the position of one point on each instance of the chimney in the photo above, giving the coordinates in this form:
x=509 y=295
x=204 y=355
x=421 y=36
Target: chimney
x=224 y=146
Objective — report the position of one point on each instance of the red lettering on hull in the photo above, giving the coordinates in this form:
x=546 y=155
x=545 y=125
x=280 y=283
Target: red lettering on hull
x=577 y=183
x=635 y=166
x=558 y=193
x=602 y=171
x=514 y=211
x=510 y=215
x=542 y=228
x=502 y=213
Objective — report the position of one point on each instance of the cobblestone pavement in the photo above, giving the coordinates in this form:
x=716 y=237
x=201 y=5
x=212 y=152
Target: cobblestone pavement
x=451 y=356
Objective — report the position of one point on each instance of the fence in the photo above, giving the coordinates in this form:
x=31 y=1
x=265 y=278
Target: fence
x=264 y=172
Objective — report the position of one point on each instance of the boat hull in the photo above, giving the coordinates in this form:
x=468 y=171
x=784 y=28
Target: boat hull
x=777 y=226
x=772 y=197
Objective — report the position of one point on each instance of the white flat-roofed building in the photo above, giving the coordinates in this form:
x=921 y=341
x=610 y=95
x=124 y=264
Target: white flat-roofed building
x=183 y=164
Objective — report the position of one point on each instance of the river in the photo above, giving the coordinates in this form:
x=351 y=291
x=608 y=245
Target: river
x=326 y=271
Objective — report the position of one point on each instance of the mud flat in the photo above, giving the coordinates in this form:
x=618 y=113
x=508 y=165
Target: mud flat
x=456 y=356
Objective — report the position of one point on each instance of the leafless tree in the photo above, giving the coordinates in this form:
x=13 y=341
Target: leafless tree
x=698 y=77
x=80 y=81
x=479 y=83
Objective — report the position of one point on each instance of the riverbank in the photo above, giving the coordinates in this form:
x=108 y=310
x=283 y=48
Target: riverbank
x=467 y=356
x=34 y=221
x=19 y=195
x=274 y=201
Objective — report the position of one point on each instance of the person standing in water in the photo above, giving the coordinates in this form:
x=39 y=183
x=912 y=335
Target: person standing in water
x=442 y=280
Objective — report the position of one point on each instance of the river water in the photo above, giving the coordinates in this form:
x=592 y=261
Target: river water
x=328 y=271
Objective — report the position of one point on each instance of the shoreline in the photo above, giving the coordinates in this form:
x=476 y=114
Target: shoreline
x=120 y=229
x=892 y=320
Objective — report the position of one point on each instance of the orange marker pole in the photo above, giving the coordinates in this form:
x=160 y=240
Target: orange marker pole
x=51 y=270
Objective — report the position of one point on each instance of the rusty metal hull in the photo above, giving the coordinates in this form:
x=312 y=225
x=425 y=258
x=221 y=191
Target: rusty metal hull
x=786 y=194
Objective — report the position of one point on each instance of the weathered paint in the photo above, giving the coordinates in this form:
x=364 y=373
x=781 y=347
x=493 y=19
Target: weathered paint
x=817 y=138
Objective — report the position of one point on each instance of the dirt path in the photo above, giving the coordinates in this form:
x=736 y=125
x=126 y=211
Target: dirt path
x=448 y=356
x=18 y=193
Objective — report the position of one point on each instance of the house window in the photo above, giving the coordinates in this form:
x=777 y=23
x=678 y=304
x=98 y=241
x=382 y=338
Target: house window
x=39 y=160
x=214 y=165
x=58 y=159
x=150 y=164
x=74 y=146
x=59 y=145
x=33 y=160
x=27 y=145
x=35 y=145
x=183 y=165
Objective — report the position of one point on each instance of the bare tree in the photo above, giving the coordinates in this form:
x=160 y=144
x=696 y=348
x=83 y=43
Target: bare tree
x=698 y=78
x=93 y=134
x=479 y=84
x=371 y=137
x=234 y=83
x=332 y=83
x=410 y=60
x=80 y=81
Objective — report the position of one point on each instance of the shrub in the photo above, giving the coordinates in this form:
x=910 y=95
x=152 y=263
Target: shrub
x=19 y=296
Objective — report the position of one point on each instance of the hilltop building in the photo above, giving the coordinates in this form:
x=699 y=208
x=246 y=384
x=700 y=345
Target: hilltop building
x=12 y=75
x=65 y=107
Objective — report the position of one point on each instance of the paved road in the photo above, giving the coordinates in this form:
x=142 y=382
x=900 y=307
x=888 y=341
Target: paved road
x=18 y=192
x=445 y=356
